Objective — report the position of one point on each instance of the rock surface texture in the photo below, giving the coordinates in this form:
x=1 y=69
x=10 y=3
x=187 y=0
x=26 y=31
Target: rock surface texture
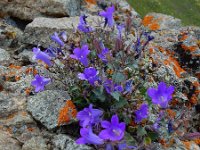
x=39 y=31
x=45 y=107
x=30 y=9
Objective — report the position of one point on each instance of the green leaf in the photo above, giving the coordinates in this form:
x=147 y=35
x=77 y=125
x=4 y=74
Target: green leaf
x=153 y=135
x=99 y=94
x=93 y=54
x=118 y=77
x=141 y=131
x=147 y=141
x=116 y=95
x=129 y=139
x=121 y=103
x=143 y=91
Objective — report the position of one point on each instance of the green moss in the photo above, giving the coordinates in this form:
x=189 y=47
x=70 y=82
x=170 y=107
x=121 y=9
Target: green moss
x=187 y=10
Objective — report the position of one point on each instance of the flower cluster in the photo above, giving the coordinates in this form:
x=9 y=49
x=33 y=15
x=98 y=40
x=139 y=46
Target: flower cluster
x=88 y=117
x=105 y=69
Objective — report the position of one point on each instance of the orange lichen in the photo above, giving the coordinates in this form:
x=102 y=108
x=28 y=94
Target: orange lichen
x=171 y=113
x=67 y=113
x=150 y=22
x=187 y=144
x=14 y=67
x=93 y=2
x=189 y=48
x=196 y=84
x=193 y=100
x=35 y=72
x=184 y=37
x=174 y=102
x=151 y=51
x=163 y=142
x=147 y=20
x=17 y=78
x=30 y=129
x=176 y=67
x=28 y=91
x=197 y=141
x=28 y=70
x=154 y=26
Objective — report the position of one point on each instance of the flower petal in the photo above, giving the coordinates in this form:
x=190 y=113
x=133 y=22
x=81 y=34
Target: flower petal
x=105 y=124
x=81 y=141
x=115 y=119
x=82 y=76
x=104 y=134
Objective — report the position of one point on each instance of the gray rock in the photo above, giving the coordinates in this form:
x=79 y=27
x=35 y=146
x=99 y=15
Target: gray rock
x=45 y=106
x=39 y=31
x=64 y=142
x=30 y=9
x=4 y=55
x=10 y=104
x=26 y=55
x=9 y=35
x=35 y=143
x=7 y=142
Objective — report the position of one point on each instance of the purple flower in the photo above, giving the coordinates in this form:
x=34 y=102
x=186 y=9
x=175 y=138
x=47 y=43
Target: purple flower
x=64 y=36
x=120 y=28
x=113 y=131
x=111 y=87
x=156 y=124
x=56 y=39
x=88 y=137
x=108 y=15
x=104 y=55
x=162 y=95
x=90 y=75
x=82 y=26
x=109 y=146
x=128 y=86
x=39 y=82
x=89 y=116
x=51 y=51
x=124 y=146
x=38 y=54
x=142 y=113
x=81 y=54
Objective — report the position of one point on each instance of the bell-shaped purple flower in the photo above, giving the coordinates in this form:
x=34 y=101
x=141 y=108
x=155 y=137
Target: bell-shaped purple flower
x=57 y=39
x=89 y=116
x=81 y=54
x=114 y=130
x=162 y=95
x=108 y=15
x=112 y=87
x=39 y=83
x=120 y=28
x=124 y=146
x=141 y=113
x=128 y=86
x=38 y=54
x=104 y=55
x=64 y=36
x=88 y=137
x=82 y=26
x=90 y=74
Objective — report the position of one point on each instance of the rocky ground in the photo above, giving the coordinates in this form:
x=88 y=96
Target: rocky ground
x=29 y=121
